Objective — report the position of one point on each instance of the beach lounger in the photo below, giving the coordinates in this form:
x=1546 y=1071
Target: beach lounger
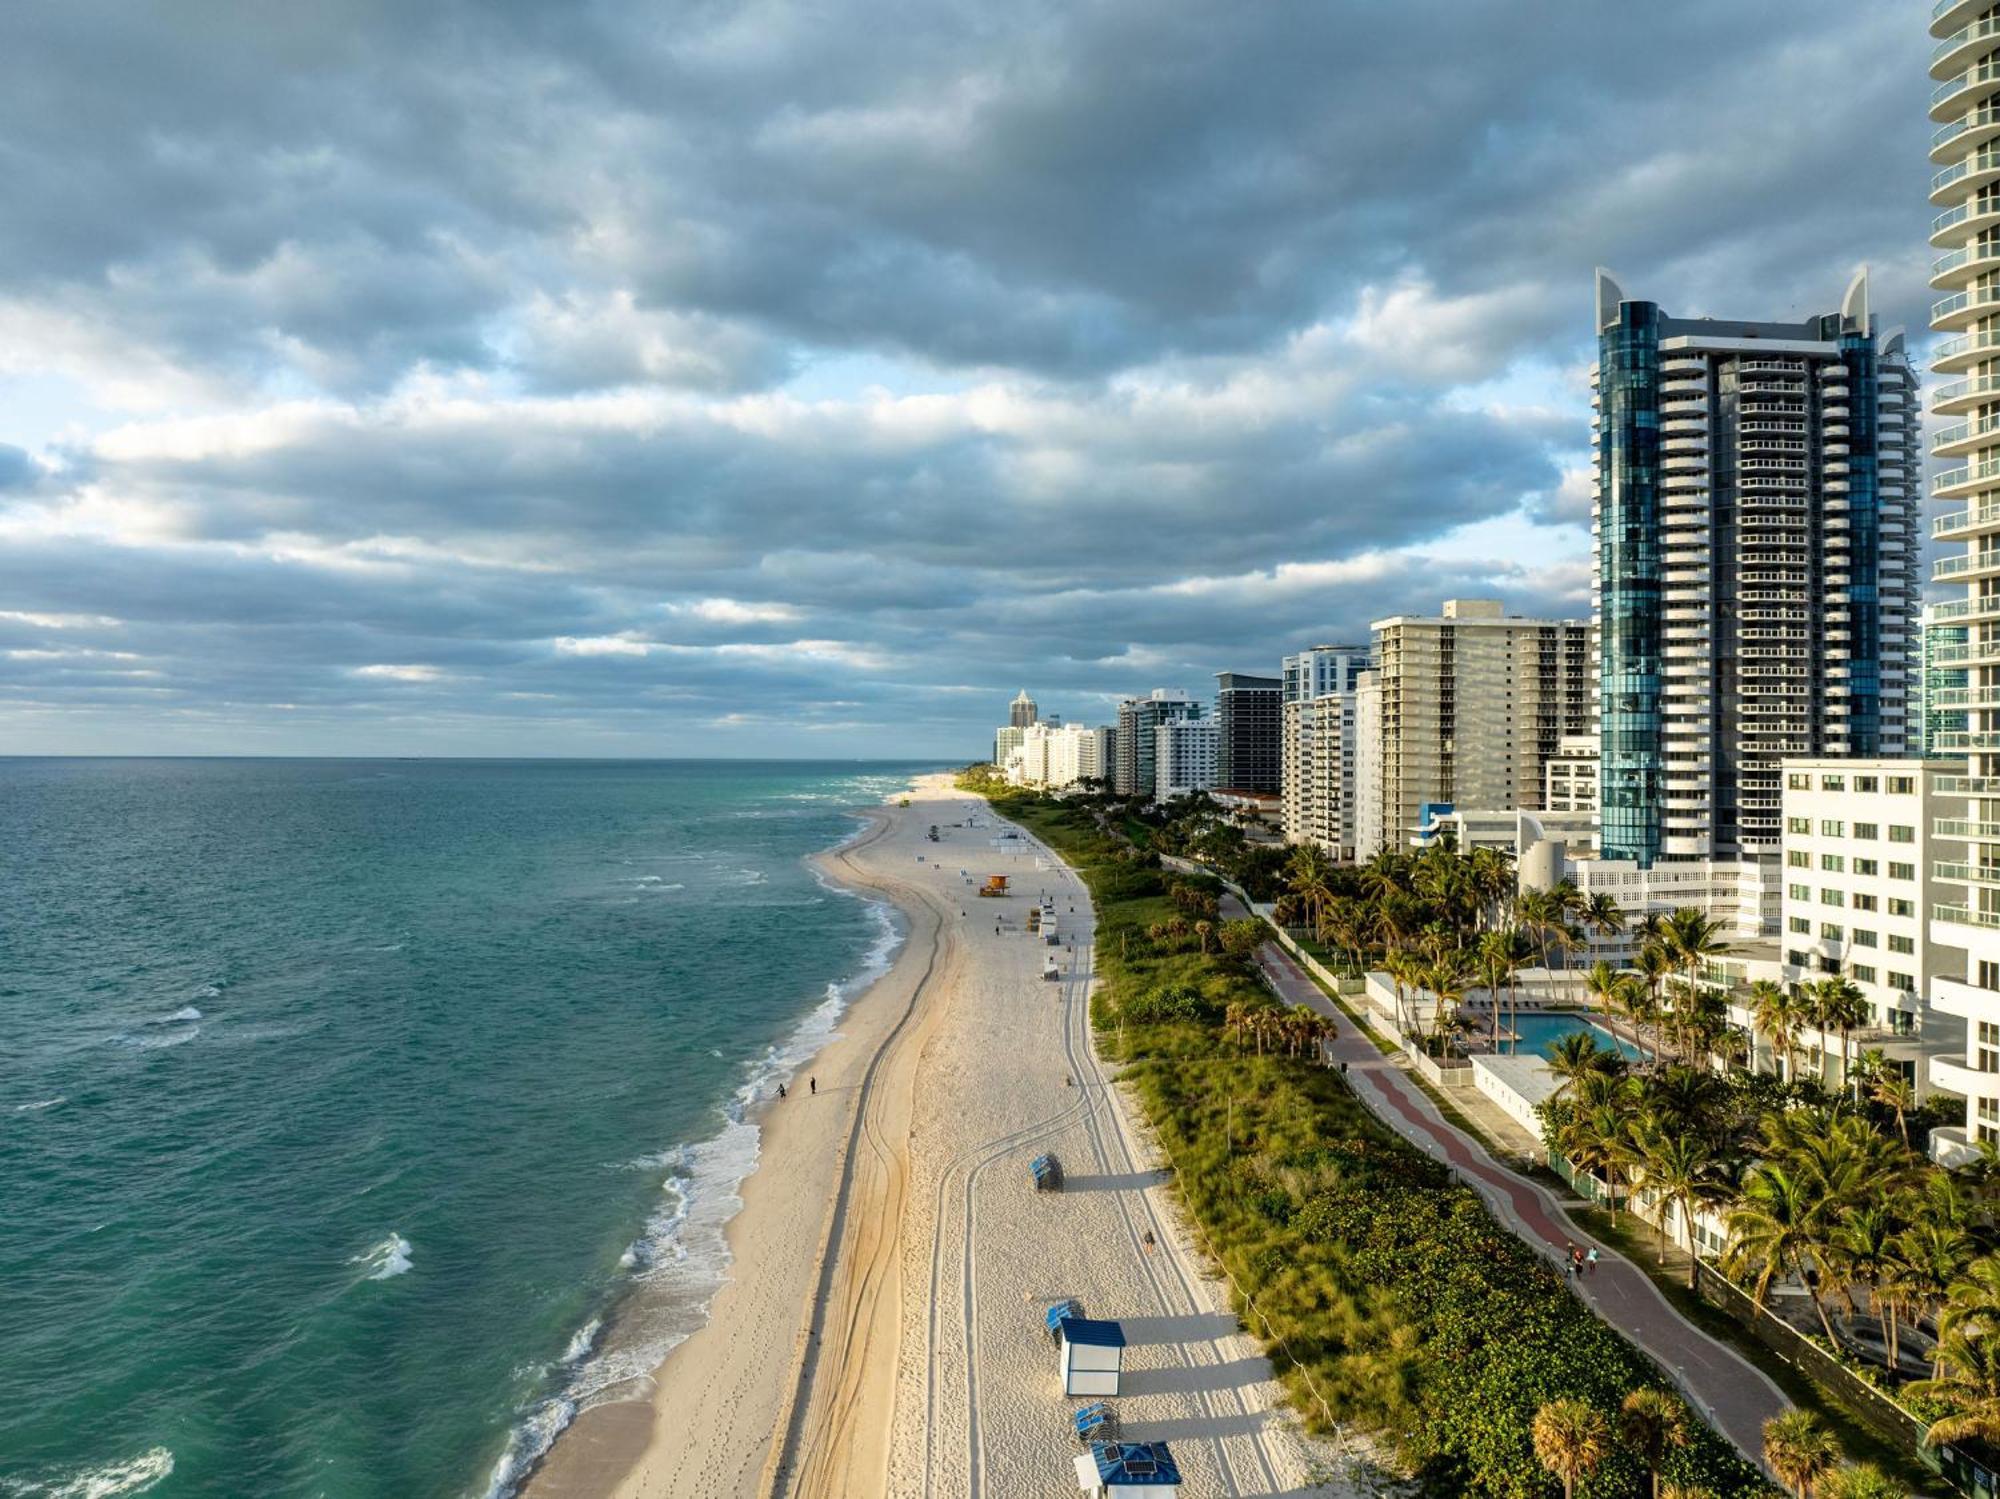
x=1047 y=1172
x=1053 y=1318
x=1097 y=1422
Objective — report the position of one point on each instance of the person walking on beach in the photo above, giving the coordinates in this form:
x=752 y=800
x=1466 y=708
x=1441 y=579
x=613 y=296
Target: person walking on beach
x=781 y=1090
x=813 y=1084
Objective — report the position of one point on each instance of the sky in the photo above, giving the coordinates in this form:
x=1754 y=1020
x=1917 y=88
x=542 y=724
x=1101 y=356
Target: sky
x=521 y=378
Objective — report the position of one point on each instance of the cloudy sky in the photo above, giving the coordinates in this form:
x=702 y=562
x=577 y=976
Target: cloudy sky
x=786 y=378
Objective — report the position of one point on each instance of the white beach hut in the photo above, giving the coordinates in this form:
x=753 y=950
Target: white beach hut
x=1093 y=1355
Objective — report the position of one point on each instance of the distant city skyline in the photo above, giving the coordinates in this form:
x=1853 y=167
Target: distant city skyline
x=768 y=385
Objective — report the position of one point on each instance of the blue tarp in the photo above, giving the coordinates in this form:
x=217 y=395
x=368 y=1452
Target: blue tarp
x=1095 y=1334
x=1134 y=1463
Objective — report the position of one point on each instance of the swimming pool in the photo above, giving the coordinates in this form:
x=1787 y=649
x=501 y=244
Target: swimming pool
x=1539 y=1034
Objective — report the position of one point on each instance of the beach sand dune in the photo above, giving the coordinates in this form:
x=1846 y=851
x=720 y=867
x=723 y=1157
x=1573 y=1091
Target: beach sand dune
x=881 y=1332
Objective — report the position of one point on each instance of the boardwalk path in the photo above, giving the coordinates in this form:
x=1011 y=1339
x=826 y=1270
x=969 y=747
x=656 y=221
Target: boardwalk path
x=1735 y=1395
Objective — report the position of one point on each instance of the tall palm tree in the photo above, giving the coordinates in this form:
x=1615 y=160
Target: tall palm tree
x=1601 y=982
x=1843 y=1008
x=1680 y=1170
x=1653 y=965
x=1599 y=912
x=1895 y=1092
x=1650 y=1422
x=1572 y=1440
x=1799 y=1450
x=1692 y=937
x=1866 y=1244
x=1576 y=1055
x=1930 y=1258
x=1780 y=1228
x=1494 y=962
x=1776 y=1014
x=1309 y=873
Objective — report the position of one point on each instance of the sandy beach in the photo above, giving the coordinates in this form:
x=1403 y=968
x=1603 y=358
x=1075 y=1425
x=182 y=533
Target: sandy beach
x=881 y=1328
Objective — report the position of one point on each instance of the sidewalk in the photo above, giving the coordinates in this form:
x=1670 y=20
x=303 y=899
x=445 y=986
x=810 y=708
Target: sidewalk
x=1735 y=1395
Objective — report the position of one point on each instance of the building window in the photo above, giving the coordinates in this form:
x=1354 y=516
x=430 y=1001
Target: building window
x=1798 y=892
x=1798 y=780
x=1798 y=858
x=1796 y=958
x=1863 y=937
x=1832 y=897
x=1904 y=981
x=1902 y=944
x=1861 y=973
x=1865 y=784
x=1900 y=834
x=1830 y=930
x=1798 y=824
x=1802 y=925
x=1867 y=866
x=1867 y=830
x=1900 y=907
x=1833 y=863
x=1832 y=827
x=1902 y=785
x=1902 y=871
x=1989 y=1119
x=1987 y=1056
x=1833 y=783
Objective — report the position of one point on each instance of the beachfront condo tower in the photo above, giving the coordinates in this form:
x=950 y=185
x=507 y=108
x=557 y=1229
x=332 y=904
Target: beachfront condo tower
x=1246 y=731
x=1133 y=772
x=1755 y=538
x=1021 y=712
x=1965 y=190
x=1943 y=676
x=1318 y=746
x=1469 y=707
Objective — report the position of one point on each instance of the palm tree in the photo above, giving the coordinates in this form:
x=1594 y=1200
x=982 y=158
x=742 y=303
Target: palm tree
x=1799 y=1450
x=1779 y=1228
x=1599 y=912
x=1775 y=1012
x=1601 y=982
x=1866 y=1243
x=1204 y=930
x=1309 y=873
x=1930 y=1258
x=1967 y=1378
x=1495 y=966
x=1572 y=1440
x=1692 y=937
x=1839 y=1006
x=1898 y=1094
x=1680 y=1170
x=1577 y=1054
x=1860 y=1481
x=1653 y=964
x=1597 y=1141
x=1650 y=1422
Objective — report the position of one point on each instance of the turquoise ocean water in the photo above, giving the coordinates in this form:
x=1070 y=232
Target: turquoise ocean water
x=360 y=1120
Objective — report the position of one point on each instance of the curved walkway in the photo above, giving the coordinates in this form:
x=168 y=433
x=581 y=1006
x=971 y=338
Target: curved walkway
x=1735 y=1395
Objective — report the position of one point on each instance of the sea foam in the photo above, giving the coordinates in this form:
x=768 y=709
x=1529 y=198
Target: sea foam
x=390 y=1257
x=133 y=1476
x=681 y=1258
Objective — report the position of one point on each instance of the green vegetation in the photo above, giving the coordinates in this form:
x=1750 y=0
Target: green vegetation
x=1390 y=1300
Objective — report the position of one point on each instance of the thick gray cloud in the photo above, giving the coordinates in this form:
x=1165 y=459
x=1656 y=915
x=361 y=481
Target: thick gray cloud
x=783 y=377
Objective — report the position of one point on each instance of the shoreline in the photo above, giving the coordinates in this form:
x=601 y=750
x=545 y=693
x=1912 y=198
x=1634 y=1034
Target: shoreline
x=664 y=1438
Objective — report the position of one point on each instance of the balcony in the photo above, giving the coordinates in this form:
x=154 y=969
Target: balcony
x=1964 y=46
x=1966 y=567
x=1958 y=94
x=1956 y=355
x=1948 y=142
x=1953 y=1076
x=1962 y=267
x=1963 y=481
x=1958 y=827
x=1962 y=395
x=1967 y=176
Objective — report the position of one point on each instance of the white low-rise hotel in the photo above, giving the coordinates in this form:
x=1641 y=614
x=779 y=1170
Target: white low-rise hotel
x=1184 y=757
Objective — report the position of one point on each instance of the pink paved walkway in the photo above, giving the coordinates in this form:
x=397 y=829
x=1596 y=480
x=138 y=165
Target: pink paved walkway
x=1736 y=1396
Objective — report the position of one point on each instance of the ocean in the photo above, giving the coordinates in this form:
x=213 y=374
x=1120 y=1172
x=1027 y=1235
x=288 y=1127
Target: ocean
x=360 y=1120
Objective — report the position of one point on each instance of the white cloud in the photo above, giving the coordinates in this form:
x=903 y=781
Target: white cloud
x=385 y=672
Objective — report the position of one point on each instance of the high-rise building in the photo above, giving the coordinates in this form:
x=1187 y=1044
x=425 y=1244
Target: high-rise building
x=1943 y=673
x=1318 y=746
x=1246 y=728
x=1138 y=717
x=1021 y=712
x=1184 y=756
x=1965 y=108
x=1473 y=705
x=1321 y=669
x=1371 y=834
x=1570 y=779
x=1057 y=756
x=1755 y=533
x=1006 y=740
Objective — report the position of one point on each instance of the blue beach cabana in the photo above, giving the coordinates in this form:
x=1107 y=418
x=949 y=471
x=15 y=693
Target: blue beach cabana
x=1128 y=1468
x=1092 y=1355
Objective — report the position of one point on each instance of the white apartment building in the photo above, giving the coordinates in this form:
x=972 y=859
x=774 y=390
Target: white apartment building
x=1371 y=835
x=1184 y=752
x=1006 y=740
x=1754 y=547
x=1570 y=783
x=1317 y=746
x=1859 y=883
x=1058 y=756
x=1134 y=773
x=1965 y=106
x=1473 y=705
